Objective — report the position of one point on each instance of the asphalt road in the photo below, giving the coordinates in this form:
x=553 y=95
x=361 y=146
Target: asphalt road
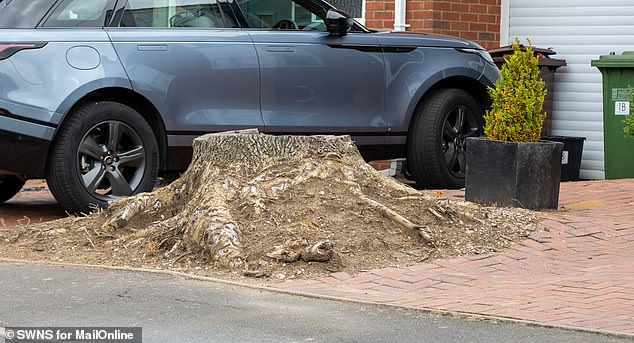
x=175 y=309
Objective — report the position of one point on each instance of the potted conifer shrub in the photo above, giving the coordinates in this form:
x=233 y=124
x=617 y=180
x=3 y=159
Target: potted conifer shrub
x=511 y=166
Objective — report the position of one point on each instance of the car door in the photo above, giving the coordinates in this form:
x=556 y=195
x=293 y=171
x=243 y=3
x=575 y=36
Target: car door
x=312 y=81
x=190 y=59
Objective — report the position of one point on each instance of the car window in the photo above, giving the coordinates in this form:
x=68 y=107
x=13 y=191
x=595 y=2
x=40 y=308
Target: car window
x=280 y=15
x=175 y=13
x=23 y=14
x=81 y=13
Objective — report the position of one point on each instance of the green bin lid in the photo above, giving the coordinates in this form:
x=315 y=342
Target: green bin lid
x=626 y=60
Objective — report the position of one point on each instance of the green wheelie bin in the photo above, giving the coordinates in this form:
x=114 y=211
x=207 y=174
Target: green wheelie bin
x=618 y=78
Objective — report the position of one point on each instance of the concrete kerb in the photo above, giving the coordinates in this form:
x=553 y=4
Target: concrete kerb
x=440 y=312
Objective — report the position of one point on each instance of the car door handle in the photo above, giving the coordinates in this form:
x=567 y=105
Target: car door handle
x=280 y=48
x=151 y=47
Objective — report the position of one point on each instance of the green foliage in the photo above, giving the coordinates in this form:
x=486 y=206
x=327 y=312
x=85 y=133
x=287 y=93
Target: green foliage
x=628 y=122
x=518 y=96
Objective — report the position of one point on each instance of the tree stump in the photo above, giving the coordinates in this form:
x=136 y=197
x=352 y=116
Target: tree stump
x=231 y=171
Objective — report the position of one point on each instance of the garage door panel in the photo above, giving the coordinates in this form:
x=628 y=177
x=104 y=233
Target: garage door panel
x=579 y=31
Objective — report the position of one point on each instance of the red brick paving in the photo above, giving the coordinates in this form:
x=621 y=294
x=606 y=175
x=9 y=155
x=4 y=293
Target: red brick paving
x=34 y=203
x=578 y=270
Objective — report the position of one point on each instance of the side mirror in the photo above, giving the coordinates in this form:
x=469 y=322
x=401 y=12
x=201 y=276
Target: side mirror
x=338 y=22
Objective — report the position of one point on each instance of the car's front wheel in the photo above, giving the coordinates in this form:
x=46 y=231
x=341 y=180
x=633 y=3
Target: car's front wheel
x=437 y=138
x=103 y=151
x=10 y=185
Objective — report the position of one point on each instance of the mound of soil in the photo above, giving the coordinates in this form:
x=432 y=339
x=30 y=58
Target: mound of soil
x=274 y=207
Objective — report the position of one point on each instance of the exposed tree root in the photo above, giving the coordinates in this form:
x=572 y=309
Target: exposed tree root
x=390 y=214
x=292 y=251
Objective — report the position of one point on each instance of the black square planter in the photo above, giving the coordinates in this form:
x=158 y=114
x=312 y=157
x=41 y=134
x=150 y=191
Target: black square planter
x=510 y=174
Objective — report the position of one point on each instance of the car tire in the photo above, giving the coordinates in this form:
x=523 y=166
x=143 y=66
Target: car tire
x=437 y=137
x=10 y=185
x=103 y=151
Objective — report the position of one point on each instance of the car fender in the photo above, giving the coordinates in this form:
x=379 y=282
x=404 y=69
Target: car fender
x=85 y=90
x=402 y=111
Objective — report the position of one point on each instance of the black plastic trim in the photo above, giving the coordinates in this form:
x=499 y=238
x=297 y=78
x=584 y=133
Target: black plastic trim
x=8 y=114
x=23 y=154
x=333 y=133
x=178 y=158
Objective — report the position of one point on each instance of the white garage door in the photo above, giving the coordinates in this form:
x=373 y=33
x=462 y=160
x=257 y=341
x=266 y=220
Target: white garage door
x=579 y=31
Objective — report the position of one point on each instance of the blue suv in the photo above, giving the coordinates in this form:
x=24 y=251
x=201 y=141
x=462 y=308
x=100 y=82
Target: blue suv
x=100 y=97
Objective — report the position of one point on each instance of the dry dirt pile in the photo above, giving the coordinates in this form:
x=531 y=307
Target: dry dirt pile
x=254 y=205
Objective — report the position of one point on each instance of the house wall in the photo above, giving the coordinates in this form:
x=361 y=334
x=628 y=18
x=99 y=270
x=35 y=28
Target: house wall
x=476 y=20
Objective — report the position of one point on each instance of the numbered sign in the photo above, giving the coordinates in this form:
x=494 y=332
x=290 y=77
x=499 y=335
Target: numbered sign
x=621 y=108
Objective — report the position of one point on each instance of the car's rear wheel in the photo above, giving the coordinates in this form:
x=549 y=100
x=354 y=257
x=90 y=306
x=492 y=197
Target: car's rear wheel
x=437 y=138
x=10 y=185
x=105 y=150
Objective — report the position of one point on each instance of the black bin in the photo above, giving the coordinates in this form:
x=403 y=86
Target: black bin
x=571 y=156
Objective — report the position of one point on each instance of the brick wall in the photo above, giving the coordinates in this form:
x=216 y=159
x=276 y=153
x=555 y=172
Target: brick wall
x=476 y=20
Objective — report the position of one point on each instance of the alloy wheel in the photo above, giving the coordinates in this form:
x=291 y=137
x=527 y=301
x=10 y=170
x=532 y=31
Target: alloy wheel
x=111 y=160
x=459 y=124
